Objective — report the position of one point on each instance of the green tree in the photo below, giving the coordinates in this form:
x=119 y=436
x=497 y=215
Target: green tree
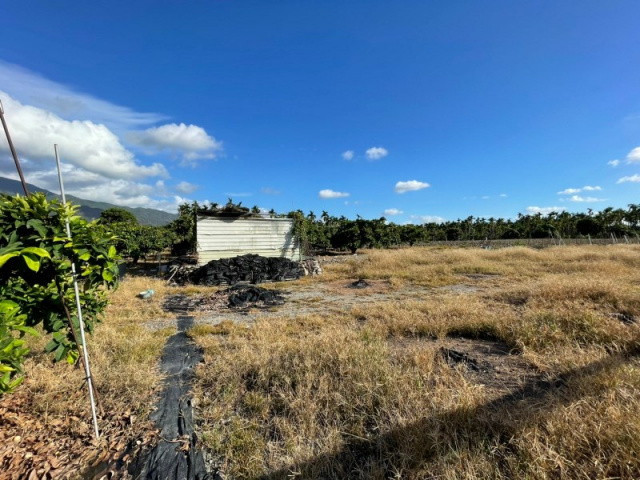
x=347 y=236
x=117 y=215
x=412 y=234
x=36 y=279
x=588 y=226
x=136 y=241
x=184 y=229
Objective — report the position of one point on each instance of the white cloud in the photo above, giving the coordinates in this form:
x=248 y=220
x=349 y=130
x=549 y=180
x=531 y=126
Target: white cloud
x=132 y=189
x=191 y=141
x=544 y=210
x=32 y=89
x=569 y=191
x=634 y=156
x=426 y=219
x=87 y=145
x=376 y=153
x=410 y=186
x=348 y=155
x=613 y=163
x=327 y=193
x=186 y=187
x=393 y=211
x=503 y=195
x=486 y=197
x=586 y=188
x=633 y=179
x=96 y=163
x=91 y=186
x=270 y=191
x=578 y=198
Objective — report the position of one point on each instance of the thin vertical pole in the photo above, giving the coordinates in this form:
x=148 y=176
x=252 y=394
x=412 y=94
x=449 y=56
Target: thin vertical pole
x=13 y=150
x=85 y=354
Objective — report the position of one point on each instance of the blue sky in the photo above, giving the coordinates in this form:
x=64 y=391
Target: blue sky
x=413 y=110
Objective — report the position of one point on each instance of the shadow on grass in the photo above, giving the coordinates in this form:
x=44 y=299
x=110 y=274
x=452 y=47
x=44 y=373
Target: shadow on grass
x=415 y=445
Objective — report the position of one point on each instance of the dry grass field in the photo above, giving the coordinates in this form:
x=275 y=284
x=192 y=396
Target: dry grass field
x=513 y=363
x=454 y=363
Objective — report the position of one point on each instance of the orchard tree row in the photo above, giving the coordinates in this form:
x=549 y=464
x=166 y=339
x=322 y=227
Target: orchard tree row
x=327 y=232
x=324 y=232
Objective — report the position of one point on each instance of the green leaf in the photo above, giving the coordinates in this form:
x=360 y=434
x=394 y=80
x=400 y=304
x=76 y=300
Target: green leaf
x=32 y=261
x=57 y=325
x=38 y=226
x=112 y=252
x=72 y=357
x=107 y=275
x=51 y=346
x=59 y=353
x=40 y=252
x=7 y=256
x=15 y=383
x=29 y=330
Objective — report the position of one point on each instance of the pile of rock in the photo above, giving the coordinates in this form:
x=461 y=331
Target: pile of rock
x=311 y=266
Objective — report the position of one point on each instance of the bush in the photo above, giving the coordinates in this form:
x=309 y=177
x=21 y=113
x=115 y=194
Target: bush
x=36 y=278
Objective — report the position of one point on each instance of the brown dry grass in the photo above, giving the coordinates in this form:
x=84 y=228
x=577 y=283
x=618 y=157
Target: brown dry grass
x=366 y=394
x=53 y=401
x=123 y=354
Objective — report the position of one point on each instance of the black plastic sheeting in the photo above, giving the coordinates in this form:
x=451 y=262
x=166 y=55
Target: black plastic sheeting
x=241 y=296
x=245 y=268
x=175 y=457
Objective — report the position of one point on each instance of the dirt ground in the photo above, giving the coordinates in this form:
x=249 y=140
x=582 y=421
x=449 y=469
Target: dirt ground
x=485 y=362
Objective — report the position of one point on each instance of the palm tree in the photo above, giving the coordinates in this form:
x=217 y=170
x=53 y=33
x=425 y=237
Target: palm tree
x=632 y=216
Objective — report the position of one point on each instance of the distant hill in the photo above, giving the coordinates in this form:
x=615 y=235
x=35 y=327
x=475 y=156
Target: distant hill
x=90 y=209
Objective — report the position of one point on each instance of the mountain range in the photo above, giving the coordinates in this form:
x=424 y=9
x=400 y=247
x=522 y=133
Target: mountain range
x=88 y=208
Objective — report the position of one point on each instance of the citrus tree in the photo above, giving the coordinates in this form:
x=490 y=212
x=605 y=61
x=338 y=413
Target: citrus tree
x=36 y=279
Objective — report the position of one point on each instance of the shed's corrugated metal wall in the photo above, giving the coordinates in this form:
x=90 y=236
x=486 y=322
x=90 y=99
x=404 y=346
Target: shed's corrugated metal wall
x=230 y=237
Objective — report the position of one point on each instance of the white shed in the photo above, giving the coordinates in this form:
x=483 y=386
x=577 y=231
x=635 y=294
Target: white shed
x=224 y=237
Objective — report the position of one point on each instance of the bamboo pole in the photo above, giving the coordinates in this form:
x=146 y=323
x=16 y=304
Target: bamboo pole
x=85 y=353
x=13 y=150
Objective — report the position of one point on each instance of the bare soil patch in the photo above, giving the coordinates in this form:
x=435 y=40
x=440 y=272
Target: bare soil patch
x=296 y=299
x=497 y=367
x=491 y=364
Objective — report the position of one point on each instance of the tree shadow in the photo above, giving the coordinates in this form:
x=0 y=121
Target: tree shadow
x=415 y=445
